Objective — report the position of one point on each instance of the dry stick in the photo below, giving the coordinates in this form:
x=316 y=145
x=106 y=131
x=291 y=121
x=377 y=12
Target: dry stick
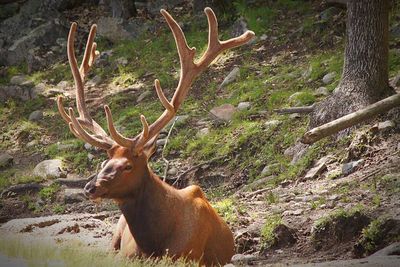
x=351 y=119
x=162 y=153
x=304 y=110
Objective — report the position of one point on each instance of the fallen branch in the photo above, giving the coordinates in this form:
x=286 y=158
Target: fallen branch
x=303 y=110
x=351 y=119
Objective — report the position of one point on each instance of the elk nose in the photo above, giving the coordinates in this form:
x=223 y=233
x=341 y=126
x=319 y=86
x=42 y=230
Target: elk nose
x=89 y=189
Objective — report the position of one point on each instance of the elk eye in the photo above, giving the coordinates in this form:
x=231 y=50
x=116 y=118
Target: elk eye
x=128 y=167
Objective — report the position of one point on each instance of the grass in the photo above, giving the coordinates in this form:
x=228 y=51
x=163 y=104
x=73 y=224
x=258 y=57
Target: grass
x=227 y=209
x=48 y=193
x=267 y=231
x=42 y=253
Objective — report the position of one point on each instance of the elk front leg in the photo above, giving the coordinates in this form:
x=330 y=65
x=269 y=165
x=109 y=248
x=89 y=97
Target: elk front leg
x=116 y=240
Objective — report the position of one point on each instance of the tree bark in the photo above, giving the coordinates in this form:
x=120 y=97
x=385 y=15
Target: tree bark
x=365 y=72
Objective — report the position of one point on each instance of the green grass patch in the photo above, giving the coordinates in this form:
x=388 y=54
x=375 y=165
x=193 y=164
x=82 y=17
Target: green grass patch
x=227 y=209
x=267 y=231
x=48 y=193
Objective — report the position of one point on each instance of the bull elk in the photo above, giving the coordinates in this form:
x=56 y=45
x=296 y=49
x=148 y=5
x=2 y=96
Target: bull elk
x=156 y=219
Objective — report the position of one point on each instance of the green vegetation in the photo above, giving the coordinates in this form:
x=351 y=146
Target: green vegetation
x=35 y=253
x=48 y=193
x=228 y=210
x=267 y=232
x=338 y=214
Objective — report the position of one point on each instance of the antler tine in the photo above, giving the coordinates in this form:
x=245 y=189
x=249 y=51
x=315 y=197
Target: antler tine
x=119 y=138
x=84 y=135
x=90 y=52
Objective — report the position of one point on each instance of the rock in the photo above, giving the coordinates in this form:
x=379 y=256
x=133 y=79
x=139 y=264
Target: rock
x=296 y=212
x=240 y=259
x=143 y=96
x=231 y=77
x=39 y=89
x=270 y=169
x=263 y=37
x=295 y=116
x=321 y=91
x=296 y=151
x=124 y=9
x=6 y=160
x=350 y=167
x=21 y=189
x=96 y=80
x=239 y=27
x=90 y=156
x=318 y=168
x=203 y=132
x=386 y=125
x=328 y=78
x=21 y=80
x=62 y=85
x=112 y=29
x=36 y=115
x=14 y=91
x=88 y=147
x=172 y=171
x=272 y=123
x=244 y=106
x=51 y=168
x=161 y=142
x=224 y=112
x=73 y=195
x=122 y=61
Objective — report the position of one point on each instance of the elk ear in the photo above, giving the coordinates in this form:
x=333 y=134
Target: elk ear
x=150 y=147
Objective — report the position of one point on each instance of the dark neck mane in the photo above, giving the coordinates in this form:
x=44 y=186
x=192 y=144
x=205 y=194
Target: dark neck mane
x=149 y=214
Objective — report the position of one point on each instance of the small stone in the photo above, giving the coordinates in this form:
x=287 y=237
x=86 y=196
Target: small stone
x=37 y=115
x=295 y=116
x=32 y=143
x=328 y=78
x=6 y=160
x=143 y=96
x=88 y=146
x=90 y=156
x=350 y=167
x=298 y=212
x=39 y=88
x=122 y=61
x=161 y=142
x=306 y=74
x=231 y=77
x=244 y=106
x=172 y=171
x=333 y=197
x=263 y=37
x=272 y=123
x=224 y=112
x=240 y=259
x=385 y=125
x=96 y=80
x=203 y=132
x=321 y=91
x=62 y=85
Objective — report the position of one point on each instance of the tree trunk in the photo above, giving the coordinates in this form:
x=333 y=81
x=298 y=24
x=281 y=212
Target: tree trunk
x=365 y=72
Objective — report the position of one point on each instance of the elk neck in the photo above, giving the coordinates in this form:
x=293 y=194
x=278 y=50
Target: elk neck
x=150 y=213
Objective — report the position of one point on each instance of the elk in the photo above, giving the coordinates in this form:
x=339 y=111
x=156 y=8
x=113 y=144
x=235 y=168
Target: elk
x=157 y=219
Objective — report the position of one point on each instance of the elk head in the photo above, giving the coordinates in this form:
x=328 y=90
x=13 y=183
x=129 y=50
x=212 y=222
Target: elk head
x=128 y=157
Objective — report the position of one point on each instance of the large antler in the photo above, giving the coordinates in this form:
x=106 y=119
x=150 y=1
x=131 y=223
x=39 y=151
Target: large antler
x=84 y=122
x=189 y=71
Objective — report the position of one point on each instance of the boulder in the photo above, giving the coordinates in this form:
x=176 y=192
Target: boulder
x=143 y=96
x=51 y=168
x=17 y=92
x=350 y=167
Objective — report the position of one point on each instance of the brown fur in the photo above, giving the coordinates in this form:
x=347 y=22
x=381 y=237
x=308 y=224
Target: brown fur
x=159 y=219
